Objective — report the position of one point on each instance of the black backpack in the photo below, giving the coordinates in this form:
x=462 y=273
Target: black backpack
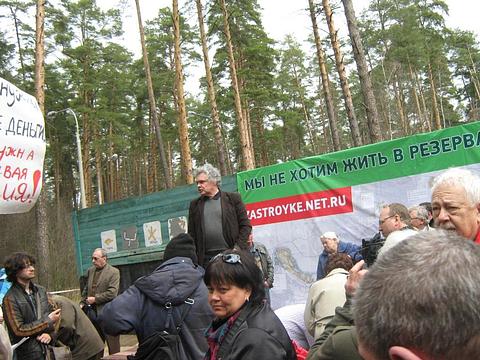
x=165 y=344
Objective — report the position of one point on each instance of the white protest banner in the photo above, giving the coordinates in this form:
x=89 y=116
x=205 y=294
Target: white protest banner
x=22 y=149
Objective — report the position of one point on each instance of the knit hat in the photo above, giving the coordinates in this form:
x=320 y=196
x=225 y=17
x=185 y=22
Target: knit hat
x=181 y=245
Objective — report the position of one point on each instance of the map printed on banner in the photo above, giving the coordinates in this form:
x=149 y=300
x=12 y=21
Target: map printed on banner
x=22 y=149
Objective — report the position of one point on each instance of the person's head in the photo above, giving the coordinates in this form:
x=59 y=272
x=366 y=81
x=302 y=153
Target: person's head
x=19 y=267
x=233 y=278
x=419 y=217
x=99 y=258
x=330 y=242
x=181 y=245
x=393 y=217
x=208 y=180
x=338 y=261
x=456 y=202
x=421 y=300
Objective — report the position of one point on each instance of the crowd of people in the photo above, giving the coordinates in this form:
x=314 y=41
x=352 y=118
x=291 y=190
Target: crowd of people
x=419 y=299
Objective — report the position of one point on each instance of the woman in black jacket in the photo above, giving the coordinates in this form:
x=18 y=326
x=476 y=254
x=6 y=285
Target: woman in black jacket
x=244 y=326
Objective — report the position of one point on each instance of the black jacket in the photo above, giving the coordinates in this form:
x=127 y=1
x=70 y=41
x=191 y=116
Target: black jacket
x=257 y=334
x=22 y=321
x=235 y=222
x=141 y=306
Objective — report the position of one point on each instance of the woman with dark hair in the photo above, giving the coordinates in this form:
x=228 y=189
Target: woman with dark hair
x=244 y=326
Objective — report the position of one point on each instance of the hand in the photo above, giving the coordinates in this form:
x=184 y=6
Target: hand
x=90 y=300
x=355 y=274
x=44 y=338
x=54 y=315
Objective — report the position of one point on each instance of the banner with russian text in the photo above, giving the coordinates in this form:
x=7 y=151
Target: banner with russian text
x=22 y=149
x=291 y=204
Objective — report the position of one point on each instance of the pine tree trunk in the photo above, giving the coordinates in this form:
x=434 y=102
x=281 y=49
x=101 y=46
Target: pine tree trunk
x=247 y=155
x=365 y=81
x=332 y=116
x=182 y=111
x=347 y=96
x=433 y=90
x=416 y=99
x=151 y=97
x=43 y=251
x=211 y=93
x=398 y=100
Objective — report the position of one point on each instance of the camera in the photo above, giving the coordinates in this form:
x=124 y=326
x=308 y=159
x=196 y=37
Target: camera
x=371 y=247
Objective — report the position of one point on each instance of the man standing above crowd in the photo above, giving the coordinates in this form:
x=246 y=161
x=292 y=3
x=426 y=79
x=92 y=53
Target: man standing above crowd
x=332 y=245
x=419 y=218
x=26 y=309
x=217 y=220
x=394 y=223
x=103 y=281
x=456 y=203
x=264 y=263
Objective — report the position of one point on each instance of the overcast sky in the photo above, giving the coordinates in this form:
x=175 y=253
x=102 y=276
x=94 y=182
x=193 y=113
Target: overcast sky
x=281 y=17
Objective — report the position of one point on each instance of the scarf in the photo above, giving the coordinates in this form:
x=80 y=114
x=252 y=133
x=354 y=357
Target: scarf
x=216 y=333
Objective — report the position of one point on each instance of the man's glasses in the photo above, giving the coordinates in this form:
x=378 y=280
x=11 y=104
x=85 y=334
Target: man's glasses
x=228 y=258
x=97 y=258
x=380 y=222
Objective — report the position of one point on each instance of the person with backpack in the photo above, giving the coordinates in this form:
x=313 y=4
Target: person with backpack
x=168 y=305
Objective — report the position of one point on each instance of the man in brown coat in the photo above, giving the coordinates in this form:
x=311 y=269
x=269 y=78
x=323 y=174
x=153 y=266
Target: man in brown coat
x=103 y=281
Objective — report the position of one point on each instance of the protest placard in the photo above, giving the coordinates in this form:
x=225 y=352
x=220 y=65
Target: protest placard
x=22 y=149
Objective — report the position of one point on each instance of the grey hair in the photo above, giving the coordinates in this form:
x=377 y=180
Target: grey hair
x=422 y=294
x=463 y=178
x=213 y=174
x=102 y=251
x=422 y=212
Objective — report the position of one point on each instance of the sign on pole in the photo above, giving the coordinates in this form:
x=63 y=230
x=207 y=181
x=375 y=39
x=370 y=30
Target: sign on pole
x=22 y=149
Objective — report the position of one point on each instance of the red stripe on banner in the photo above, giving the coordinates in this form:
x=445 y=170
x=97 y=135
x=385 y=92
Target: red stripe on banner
x=322 y=203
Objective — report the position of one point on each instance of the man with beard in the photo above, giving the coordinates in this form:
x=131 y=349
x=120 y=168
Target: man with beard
x=456 y=203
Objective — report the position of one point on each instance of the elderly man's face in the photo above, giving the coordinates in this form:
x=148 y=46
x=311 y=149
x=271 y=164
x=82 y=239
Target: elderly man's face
x=452 y=210
x=205 y=186
x=98 y=260
x=415 y=221
x=330 y=245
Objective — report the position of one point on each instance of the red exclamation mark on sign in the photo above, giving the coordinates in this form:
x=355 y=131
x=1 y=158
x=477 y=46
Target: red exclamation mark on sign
x=37 y=175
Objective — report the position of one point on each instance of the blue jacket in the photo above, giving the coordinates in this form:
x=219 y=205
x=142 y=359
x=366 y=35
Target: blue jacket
x=141 y=307
x=350 y=249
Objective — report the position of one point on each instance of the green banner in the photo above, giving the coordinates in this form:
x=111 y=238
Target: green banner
x=456 y=146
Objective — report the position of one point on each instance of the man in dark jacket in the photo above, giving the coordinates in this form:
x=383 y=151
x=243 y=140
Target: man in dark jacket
x=177 y=282
x=217 y=220
x=26 y=310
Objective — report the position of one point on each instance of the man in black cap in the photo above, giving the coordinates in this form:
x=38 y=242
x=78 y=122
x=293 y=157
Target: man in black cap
x=177 y=282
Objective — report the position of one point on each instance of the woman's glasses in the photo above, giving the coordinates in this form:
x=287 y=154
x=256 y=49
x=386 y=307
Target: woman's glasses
x=228 y=258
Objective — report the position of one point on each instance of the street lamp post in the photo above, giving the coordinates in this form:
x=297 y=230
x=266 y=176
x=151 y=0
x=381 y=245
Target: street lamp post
x=83 y=199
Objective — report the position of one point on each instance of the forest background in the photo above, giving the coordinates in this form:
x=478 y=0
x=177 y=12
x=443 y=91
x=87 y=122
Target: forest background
x=258 y=100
